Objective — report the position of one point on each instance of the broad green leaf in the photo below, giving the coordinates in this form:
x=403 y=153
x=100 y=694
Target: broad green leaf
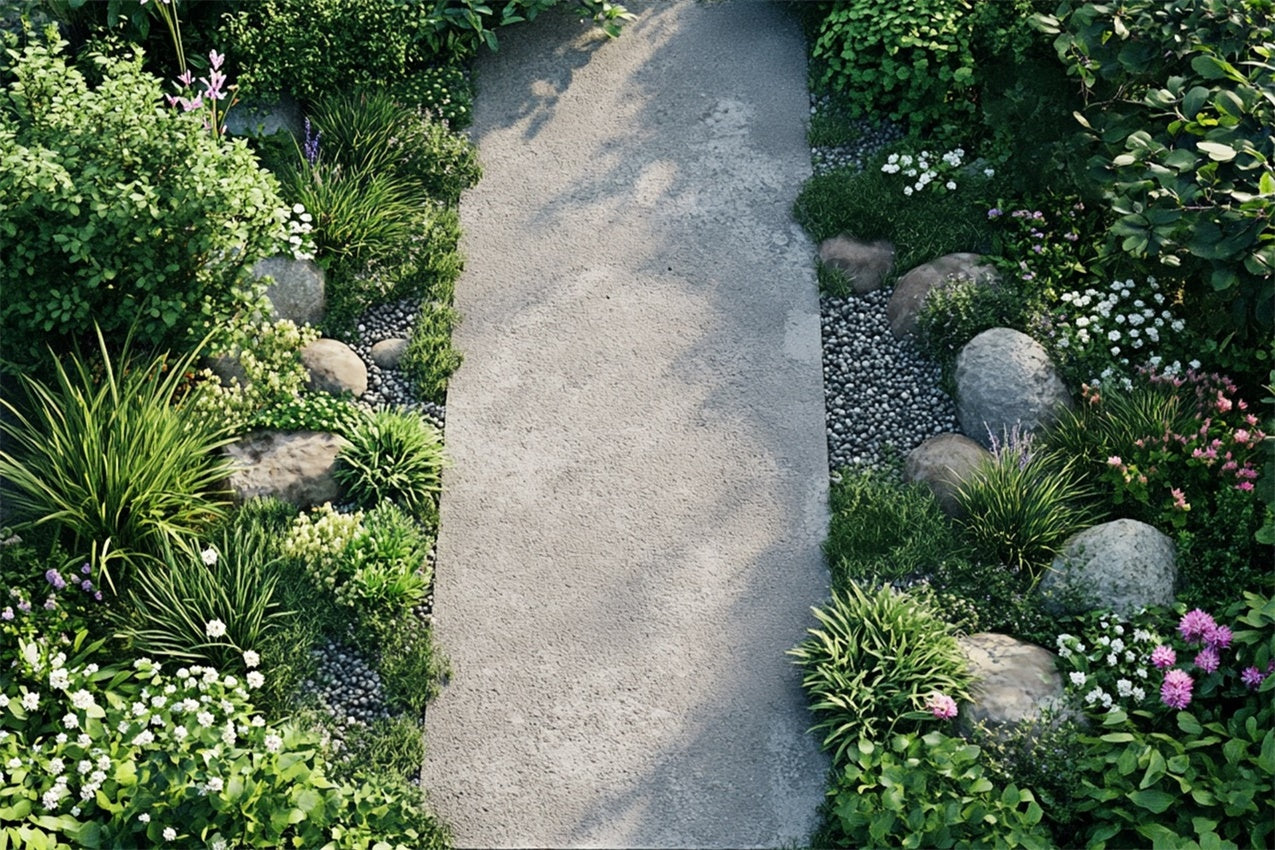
x=1217 y=151
x=1153 y=800
x=1194 y=101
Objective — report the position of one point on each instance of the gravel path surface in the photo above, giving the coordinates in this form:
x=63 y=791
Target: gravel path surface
x=631 y=525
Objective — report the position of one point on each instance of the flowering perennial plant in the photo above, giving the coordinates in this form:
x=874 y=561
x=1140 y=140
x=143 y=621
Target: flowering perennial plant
x=1111 y=663
x=1106 y=336
x=213 y=93
x=925 y=170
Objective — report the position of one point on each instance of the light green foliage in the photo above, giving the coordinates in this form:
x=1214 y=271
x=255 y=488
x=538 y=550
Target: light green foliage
x=319 y=540
x=881 y=528
x=1179 y=111
x=409 y=668
x=116 y=210
x=109 y=462
x=443 y=91
x=1020 y=506
x=929 y=791
x=368 y=131
x=873 y=662
x=393 y=746
x=184 y=759
x=311 y=411
x=396 y=456
x=911 y=62
x=430 y=358
x=269 y=356
x=169 y=607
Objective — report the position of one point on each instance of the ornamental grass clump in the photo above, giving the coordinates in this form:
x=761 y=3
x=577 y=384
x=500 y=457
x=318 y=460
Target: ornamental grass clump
x=110 y=464
x=396 y=456
x=1021 y=505
x=876 y=662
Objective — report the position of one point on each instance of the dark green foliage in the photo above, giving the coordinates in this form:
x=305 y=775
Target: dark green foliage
x=312 y=411
x=444 y=91
x=870 y=205
x=876 y=657
x=408 y=666
x=119 y=212
x=1219 y=557
x=389 y=746
x=369 y=132
x=879 y=528
x=1179 y=115
x=430 y=358
x=394 y=456
x=952 y=315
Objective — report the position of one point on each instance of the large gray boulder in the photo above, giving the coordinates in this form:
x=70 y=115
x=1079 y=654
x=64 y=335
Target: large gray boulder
x=334 y=367
x=1014 y=681
x=295 y=467
x=1005 y=379
x=913 y=288
x=943 y=463
x=1122 y=565
x=865 y=264
x=296 y=292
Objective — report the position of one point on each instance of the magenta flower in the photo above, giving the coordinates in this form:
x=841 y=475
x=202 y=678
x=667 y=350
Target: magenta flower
x=1207 y=659
x=1252 y=678
x=1176 y=690
x=1219 y=638
x=1196 y=625
x=941 y=706
x=1163 y=656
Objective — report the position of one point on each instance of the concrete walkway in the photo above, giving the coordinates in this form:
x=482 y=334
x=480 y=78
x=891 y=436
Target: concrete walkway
x=631 y=525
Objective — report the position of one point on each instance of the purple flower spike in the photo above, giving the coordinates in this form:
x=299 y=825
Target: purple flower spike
x=311 y=149
x=1176 y=690
x=1163 y=656
x=1196 y=625
x=54 y=578
x=1207 y=659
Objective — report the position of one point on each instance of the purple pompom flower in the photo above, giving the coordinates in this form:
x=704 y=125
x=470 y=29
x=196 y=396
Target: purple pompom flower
x=941 y=705
x=1207 y=659
x=1252 y=678
x=1196 y=625
x=1175 y=692
x=1163 y=656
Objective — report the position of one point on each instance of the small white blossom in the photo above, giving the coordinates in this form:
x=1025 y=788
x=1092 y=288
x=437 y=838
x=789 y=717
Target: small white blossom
x=209 y=557
x=251 y=658
x=215 y=629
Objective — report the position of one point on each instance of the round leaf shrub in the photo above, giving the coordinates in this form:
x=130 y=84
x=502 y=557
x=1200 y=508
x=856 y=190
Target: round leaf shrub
x=117 y=210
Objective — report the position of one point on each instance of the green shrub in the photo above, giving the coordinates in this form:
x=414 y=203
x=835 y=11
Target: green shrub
x=182 y=759
x=204 y=606
x=1000 y=599
x=394 y=456
x=1178 y=115
x=444 y=91
x=929 y=791
x=389 y=746
x=1219 y=556
x=911 y=63
x=870 y=205
x=430 y=358
x=873 y=663
x=881 y=528
x=109 y=465
x=368 y=131
x=407 y=662
x=118 y=212
x=953 y=314
x=1020 y=506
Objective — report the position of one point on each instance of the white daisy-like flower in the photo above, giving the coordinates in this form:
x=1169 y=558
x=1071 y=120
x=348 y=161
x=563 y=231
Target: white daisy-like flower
x=1077 y=677
x=215 y=629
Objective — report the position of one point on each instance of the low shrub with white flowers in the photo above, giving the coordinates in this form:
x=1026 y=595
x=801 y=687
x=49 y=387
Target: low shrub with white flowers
x=926 y=171
x=115 y=754
x=1101 y=337
x=1109 y=663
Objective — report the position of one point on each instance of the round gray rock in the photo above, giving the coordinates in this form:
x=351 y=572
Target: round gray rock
x=1004 y=379
x=334 y=367
x=1122 y=565
x=912 y=288
x=943 y=463
x=297 y=290
x=388 y=353
x=1014 y=681
x=865 y=264
x=295 y=467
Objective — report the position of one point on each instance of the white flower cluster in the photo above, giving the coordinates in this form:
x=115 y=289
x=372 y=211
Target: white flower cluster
x=1113 y=668
x=296 y=228
x=320 y=538
x=1123 y=327
x=925 y=169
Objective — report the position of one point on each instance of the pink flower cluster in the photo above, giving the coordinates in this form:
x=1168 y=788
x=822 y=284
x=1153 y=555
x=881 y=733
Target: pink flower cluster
x=1197 y=628
x=214 y=90
x=941 y=705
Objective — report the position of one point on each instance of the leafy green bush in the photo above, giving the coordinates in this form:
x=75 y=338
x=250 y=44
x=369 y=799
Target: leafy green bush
x=407 y=662
x=119 y=212
x=929 y=791
x=953 y=314
x=368 y=131
x=109 y=463
x=444 y=91
x=881 y=528
x=207 y=605
x=873 y=663
x=1178 y=115
x=870 y=205
x=394 y=456
x=913 y=62
x=182 y=759
x=431 y=358
x=1020 y=506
